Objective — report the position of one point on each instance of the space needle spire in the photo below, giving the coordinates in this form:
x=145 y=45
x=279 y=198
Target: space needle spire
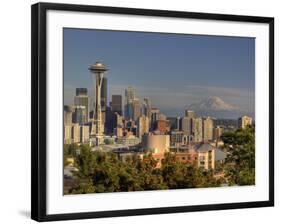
x=98 y=71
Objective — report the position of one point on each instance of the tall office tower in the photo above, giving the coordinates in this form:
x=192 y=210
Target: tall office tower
x=82 y=99
x=67 y=115
x=129 y=98
x=147 y=107
x=130 y=94
x=197 y=129
x=116 y=104
x=155 y=112
x=104 y=94
x=189 y=113
x=208 y=125
x=136 y=109
x=80 y=116
x=143 y=126
x=217 y=132
x=244 y=121
x=98 y=70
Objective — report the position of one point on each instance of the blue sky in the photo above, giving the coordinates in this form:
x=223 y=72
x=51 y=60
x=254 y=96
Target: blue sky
x=174 y=70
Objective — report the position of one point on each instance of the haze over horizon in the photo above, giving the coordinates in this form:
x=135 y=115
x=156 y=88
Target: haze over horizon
x=173 y=70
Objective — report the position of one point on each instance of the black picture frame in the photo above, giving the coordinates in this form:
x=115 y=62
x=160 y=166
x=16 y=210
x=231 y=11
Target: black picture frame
x=39 y=123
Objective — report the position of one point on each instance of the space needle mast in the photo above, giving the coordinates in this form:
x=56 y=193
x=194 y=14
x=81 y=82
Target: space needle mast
x=98 y=71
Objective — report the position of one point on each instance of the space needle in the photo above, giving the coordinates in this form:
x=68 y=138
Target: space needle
x=98 y=71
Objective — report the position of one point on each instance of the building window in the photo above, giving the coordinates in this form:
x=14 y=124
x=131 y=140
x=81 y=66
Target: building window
x=202 y=158
x=183 y=158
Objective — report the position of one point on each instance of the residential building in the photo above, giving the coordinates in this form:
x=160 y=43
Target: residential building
x=244 y=121
x=207 y=129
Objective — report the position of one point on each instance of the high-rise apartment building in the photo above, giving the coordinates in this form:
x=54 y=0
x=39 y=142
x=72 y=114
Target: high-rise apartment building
x=244 y=121
x=208 y=125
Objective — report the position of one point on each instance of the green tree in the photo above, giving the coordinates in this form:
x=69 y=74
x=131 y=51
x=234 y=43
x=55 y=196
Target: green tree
x=85 y=161
x=240 y=161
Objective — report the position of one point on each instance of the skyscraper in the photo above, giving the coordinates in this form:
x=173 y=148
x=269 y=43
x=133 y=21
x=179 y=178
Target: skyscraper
x=104 y=94
x=208 y=125
x=136 y=109
x=147 y=107
x=116 y=104
x=155 y=112
x=244 y=121
x=80 y=116
x=130 y=94
x=82 y=99
x=129 y=98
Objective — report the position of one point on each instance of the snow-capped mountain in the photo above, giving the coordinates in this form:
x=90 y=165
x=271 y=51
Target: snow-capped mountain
x=213 y=103
x=214 y=106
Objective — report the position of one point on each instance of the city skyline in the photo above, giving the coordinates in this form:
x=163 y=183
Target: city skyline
x=188 y=84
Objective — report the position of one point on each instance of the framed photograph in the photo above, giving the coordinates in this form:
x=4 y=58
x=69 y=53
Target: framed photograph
x=139 y=111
